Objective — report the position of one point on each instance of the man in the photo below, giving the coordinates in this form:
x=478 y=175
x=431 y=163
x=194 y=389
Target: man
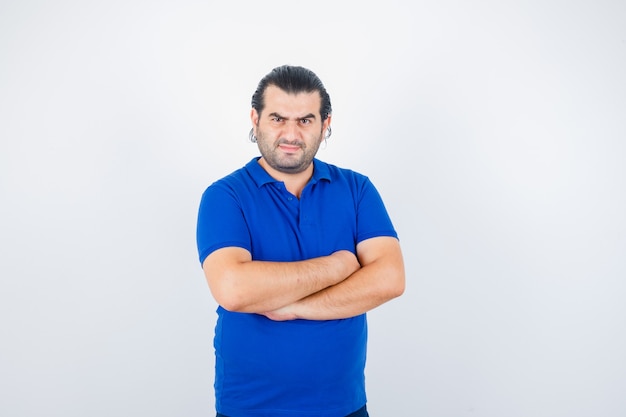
x=295 y=252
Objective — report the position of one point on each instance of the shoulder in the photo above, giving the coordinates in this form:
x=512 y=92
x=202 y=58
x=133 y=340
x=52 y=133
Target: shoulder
x=247 y=177
x=336 y=173
x=348 y=182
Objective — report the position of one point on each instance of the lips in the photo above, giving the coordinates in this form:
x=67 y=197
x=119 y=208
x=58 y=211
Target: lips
x=289 y=148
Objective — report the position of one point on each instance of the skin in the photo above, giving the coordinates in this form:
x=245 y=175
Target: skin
x=289 y=132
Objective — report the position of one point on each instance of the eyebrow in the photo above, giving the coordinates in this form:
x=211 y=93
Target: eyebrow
x=308 y=116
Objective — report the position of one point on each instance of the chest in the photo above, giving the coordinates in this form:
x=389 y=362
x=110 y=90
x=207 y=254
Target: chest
x=285 y=228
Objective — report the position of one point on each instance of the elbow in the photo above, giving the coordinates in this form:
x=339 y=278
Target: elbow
x=396 y=283
x=226 y=294
x=229 y=299
x=397 y=289
x=393 y=269
x=400 y=289
x=229 y=303
x=233 y=308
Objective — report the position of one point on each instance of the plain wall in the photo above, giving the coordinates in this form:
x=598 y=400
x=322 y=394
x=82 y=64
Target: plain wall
x=495 y=132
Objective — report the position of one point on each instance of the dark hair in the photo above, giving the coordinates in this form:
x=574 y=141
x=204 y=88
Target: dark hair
x=292 y=80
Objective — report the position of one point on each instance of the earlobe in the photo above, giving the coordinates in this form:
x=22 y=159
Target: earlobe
x=252 y=136
x=329 y=132
x=254 y=117
x=326 y=128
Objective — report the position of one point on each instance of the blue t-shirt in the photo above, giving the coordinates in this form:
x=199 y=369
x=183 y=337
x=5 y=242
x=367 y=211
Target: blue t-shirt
x=299 y=368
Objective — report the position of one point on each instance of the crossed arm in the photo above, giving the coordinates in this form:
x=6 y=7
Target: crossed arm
x=330 y=287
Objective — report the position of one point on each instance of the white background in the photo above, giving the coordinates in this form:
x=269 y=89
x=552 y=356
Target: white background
x=495 y=131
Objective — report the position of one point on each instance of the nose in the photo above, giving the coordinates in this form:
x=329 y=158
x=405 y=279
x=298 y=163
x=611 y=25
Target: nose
x=292 y=131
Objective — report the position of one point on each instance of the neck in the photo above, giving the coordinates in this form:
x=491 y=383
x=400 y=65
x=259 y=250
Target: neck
x=294 y=182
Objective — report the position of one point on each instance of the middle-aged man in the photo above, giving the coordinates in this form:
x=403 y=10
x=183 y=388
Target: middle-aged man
x=295 y=252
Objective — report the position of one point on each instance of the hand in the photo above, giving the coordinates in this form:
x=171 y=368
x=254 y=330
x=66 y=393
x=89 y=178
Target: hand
x=348 y=261
x=281 y=314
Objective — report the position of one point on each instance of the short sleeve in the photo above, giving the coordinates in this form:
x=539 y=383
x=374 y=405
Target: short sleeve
x=221 y=222
x=372 y=217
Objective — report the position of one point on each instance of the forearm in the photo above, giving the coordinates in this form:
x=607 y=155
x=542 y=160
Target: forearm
x=375 y=283
x=365 y=290
x=259 y=286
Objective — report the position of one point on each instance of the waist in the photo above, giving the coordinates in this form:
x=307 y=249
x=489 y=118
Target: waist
x=295 y=365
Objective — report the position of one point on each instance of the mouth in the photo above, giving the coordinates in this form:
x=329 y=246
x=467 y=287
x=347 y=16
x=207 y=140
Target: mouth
x=289 y=148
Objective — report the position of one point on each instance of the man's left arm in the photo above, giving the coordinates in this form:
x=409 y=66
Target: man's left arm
x=380 y=279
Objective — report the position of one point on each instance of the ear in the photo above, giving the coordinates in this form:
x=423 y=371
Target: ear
x=254 y=117
x=326 y=123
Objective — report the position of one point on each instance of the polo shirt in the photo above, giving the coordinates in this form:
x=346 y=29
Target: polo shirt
x=299 y=368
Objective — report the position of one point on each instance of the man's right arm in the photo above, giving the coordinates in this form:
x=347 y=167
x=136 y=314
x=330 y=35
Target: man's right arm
x=242 y=285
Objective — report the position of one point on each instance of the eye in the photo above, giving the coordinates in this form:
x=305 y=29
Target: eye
x=277 y=119
x=305 y=121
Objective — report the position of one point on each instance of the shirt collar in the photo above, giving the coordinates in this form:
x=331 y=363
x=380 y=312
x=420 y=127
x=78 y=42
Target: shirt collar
x=261 y=177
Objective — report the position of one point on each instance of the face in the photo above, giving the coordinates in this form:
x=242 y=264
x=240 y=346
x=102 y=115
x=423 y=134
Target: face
x=289 y=129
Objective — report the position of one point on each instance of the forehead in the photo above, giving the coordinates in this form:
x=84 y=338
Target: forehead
x=289 y=104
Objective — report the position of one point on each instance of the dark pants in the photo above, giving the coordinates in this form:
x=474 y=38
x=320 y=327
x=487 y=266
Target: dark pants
x=361 y=412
